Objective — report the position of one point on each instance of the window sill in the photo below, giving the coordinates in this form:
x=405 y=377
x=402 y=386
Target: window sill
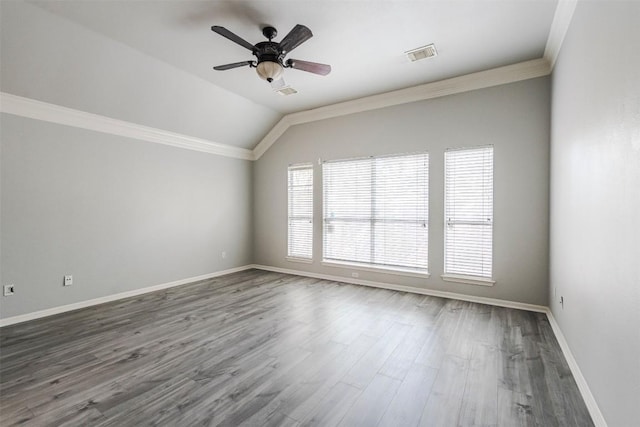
x=377 y=269
x=302 y=260
x=469 y=280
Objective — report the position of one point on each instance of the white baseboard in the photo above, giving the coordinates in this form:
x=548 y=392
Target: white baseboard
x=88 y=303
x=402 y=288
x=585 y=391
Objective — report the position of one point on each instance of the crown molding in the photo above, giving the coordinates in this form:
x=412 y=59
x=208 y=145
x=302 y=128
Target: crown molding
x=31 y=108
x=559 y=28
x=272 y=136
x=480 y=80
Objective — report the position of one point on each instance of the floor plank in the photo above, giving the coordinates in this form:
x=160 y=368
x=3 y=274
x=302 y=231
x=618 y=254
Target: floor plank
x=333 y=407
x=269 y=349
x=371 y=405
x=407 y=405
x=445 y=399
x=480 y=398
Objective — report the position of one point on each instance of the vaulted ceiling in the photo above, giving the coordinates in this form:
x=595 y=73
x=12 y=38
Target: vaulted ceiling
x=104 y=56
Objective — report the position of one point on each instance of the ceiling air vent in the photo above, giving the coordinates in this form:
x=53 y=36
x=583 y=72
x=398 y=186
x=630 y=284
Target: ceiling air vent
x=424 y=52
x=282 y=88
x=287 y=90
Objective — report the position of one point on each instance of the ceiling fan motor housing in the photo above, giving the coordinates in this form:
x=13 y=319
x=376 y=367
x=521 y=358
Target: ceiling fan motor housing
x=270 y=57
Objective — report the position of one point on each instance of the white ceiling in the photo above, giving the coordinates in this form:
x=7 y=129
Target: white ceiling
x=364 y=41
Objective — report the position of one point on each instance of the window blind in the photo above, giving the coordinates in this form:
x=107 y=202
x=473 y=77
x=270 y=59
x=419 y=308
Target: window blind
x=376 y=211
x=300 y=211
x=469 y=212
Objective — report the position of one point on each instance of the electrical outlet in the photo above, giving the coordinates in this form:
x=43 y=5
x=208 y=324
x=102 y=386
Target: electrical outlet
x=224 y=254
x=68 y=281
x=356 y=275
x=9 y=290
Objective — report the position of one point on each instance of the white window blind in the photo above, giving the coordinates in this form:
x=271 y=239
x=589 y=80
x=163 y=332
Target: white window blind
x=376 y=211
x=300 y=230
x=469 y=212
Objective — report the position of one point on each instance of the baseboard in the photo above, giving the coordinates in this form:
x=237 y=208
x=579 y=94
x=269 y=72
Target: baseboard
x=402 y=288
x=585 y=391
x=109 y=298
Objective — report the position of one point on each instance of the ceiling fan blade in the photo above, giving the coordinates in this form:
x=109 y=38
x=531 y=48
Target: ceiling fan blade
x=298 y=35
x=231 y=36
x=230 y=66
x=311 y=67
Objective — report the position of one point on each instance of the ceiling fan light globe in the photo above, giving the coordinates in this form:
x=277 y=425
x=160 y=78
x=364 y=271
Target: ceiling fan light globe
x=269 y=70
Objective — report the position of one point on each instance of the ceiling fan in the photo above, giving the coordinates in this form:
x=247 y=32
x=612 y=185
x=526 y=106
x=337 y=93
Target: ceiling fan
x=270 y=55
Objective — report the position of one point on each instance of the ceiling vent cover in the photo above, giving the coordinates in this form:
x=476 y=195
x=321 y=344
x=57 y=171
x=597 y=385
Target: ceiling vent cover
x=424 y=52
x=287 y=90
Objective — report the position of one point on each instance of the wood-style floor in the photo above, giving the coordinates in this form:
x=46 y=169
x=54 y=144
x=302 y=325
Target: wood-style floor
x=265 y=349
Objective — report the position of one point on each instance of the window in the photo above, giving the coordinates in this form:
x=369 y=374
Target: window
x=468 y=204
x=376 y=212
x=300 y=216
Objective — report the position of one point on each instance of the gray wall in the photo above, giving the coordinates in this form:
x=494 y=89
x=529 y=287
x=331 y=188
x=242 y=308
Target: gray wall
x=595 y=202
x=514 y=118
x=116 y=213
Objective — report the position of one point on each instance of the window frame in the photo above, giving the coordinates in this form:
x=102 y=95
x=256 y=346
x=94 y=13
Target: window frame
x=372 y=219
x=296 y=257
x=452 y=276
